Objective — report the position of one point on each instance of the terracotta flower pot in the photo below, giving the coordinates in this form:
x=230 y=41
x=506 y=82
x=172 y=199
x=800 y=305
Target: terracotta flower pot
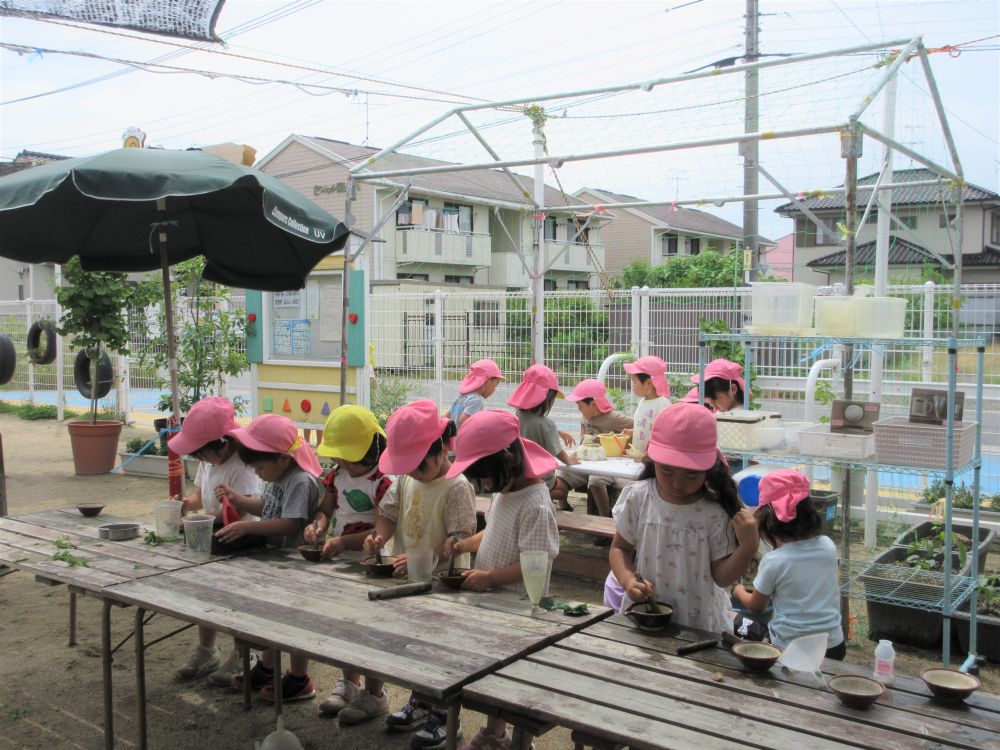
x=95 y=445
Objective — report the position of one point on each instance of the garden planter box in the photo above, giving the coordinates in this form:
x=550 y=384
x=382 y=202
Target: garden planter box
x=987 y=633
x=154 y=466
x=909 y=625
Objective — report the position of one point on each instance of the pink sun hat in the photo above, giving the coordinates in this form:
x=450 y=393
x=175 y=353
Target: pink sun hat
x=691 y=397
x=685 y=435
x=210 y=419
x=592 y=388
x=535 y=385
x=479 y=373
x=409 y=434
x=655 y=367
x=723 y=368
x=490 y=431
x=273 y=433
x=783 y=490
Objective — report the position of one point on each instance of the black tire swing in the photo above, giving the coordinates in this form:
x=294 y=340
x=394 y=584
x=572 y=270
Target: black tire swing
x=8 y=359
x=81 y=375
x=36 y=354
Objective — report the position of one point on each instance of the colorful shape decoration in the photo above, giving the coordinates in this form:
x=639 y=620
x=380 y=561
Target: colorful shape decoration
x=267 y=404
x=286 y=406
x=353 y=317
x=306 y=406
x=325 y=411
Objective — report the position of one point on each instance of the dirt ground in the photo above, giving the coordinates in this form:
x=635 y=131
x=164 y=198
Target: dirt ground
x=50 y=694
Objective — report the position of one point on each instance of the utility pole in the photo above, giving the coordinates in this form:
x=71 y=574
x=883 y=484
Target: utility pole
x=750 y=149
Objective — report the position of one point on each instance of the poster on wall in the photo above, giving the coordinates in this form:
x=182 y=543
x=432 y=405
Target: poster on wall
x=292 y=337
x=287 y=299
x=331 y=312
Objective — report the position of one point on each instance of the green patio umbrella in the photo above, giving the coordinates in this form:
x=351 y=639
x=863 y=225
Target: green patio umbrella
x=142 y=209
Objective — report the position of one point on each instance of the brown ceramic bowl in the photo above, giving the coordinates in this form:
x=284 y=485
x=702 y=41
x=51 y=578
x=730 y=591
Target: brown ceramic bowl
x=950 y=685
x=383 y=570
x=310 y=552
x=644 y=619
x=856 y=691
x=90 y=509
x=756 y=656
x=452 y=582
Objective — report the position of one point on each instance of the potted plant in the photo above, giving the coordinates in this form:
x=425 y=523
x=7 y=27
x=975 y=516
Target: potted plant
x=909 y=573
x=144 y=458
x=987 y=619
x=209 y=336
x=95 y=309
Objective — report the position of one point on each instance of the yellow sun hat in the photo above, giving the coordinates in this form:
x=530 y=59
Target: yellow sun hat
x=348 y=433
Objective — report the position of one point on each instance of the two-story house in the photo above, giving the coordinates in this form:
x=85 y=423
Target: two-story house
x=464 y=227
x=929 y=226
x=657 y=233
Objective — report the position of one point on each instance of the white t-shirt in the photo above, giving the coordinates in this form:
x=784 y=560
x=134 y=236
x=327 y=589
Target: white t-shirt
x=675 y=546
x=645 y=414
x=517 y=522
x=801 y=579
x=232 y=472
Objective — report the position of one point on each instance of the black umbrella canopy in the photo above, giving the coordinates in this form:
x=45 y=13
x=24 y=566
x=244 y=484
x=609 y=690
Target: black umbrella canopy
x=254 y=230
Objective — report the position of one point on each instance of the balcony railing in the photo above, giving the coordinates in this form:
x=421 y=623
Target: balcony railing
x=424 y=245
x=573 y=256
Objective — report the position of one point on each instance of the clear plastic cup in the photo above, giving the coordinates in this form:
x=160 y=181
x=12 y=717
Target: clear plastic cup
x=420 y=564
x=168 y=517
x=198 y=535
x=535 y=572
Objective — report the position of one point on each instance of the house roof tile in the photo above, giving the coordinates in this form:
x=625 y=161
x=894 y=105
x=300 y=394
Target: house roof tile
x=905 y=253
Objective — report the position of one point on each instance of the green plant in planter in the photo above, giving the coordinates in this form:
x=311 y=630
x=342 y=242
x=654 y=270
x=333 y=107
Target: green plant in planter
x=928 y=553
x=988 y=595
x=134 y=445
x=825 y=395
x=95 y=314
x=209 y=336
x=388 y=396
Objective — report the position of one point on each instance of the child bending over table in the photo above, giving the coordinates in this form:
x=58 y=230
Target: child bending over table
x=533 y=399
x=491 y=453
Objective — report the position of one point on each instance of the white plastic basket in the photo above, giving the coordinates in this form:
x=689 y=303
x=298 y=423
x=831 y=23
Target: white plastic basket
x=903 y=443
x=819 y=441
x=737 y=428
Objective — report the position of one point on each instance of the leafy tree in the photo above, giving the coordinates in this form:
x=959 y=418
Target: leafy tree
x=707 y=269
x=576 y=335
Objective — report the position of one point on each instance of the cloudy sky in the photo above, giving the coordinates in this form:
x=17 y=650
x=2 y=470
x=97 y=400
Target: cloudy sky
x=380 y=69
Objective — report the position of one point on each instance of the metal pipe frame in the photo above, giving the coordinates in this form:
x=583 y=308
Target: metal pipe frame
x=495 y=155
x=558 y=161
x=891 y=71
x=106 y=659
x=906 y=151
x=939 y=109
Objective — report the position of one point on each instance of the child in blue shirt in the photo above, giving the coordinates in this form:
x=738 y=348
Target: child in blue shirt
x=799 y=578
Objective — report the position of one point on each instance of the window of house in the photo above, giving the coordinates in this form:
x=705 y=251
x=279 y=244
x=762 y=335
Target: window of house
x=411 y=213
x=668 y=245
x=693 y=245
x=946 y=220
x=572 y=227
x=828 y=235
x=550 y=228
x=910 y=222
x=457 y=217
x=486 y=313
x=807 y=234
x=452 y=279
x=549 y=285
x=995 y=229
x=574 y=284
x=413 y=276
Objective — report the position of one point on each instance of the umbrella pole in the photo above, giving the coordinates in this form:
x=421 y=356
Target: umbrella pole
x=174 y=472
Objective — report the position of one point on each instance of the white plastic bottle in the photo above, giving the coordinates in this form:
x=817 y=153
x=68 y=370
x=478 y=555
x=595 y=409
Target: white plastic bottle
x=885 y=662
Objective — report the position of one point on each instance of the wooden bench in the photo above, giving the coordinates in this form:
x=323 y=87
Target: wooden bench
x=587 y=566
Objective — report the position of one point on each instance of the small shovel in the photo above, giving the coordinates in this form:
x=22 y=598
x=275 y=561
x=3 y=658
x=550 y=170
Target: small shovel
x=378 y=551
x=654 y=608
x=318 y=544
x=451 y=558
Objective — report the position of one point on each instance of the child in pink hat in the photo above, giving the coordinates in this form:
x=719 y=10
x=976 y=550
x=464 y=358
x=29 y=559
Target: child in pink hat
x=724 y=385
x=288 y=501
x=425 y=508
x=203 y=436
x=491 y=452
x=533 y=399
x=649 y=383
x=799 y=577
x=681 y=525
x=598 y=416
x=481 y=382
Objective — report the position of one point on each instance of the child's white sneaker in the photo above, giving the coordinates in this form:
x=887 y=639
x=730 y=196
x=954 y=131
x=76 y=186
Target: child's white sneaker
x=365 y=706
x=233 y=665
x=202 y=661
x=342 y=694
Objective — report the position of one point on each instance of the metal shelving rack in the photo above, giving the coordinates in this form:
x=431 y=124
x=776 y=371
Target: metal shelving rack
x=887 y=583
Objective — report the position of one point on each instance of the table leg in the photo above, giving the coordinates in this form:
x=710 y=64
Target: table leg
x=451 y=729
x=140 y=677
x=109 y=720
x=245 y=653
x=277 y=683
x=517 y=737
x=72 y=618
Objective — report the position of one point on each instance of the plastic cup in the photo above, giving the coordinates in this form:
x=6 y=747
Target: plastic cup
x=535 y=572
x=420 y=564
x=168 y=517
x=198 y=535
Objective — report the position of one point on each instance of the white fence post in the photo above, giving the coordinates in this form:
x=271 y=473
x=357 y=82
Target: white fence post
x=644 y=322
x=635 y=320
x=124 y=385
x=439 y=344
x=31 y=367
x=927 y=360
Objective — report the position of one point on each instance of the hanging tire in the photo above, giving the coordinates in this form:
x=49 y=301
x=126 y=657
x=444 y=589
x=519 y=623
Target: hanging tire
x=8 y=359
x=36 y=354
x=81 y=375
